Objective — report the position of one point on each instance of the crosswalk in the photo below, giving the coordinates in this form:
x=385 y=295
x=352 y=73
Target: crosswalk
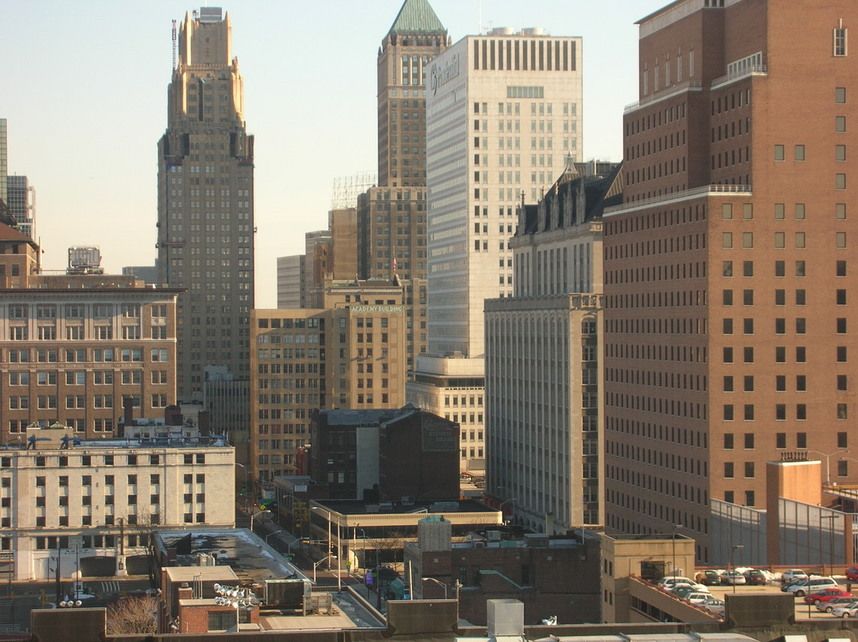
x=107 y=587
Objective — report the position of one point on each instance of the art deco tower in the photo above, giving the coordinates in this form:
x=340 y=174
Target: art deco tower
x=205 y=202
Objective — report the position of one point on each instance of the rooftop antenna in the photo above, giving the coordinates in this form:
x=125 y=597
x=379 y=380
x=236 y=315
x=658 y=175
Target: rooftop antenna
x=174 y=44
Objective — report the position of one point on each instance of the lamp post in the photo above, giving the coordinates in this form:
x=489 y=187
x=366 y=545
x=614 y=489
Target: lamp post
x=438 y=582
x=246 y=480
x=274 y=533
x=673 y=546
x=262 y=512
x=316 y=565
x=733 y=549
x=830 y=541
x=339 y=548
x=827 y=463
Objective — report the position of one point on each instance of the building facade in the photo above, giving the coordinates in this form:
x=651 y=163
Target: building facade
x=75 y=348
x=99 y=500
x=4 y=159
x=21 y=201
x=503 y=113
x=726 y=270
x=205 y=202
x=290 y=277
x=545 y=361
x=349 y=354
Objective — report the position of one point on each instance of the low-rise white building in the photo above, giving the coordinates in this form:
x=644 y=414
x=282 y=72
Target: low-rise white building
x=94 y=504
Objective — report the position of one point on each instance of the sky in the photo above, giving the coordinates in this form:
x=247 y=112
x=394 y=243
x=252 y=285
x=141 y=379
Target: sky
x=84 y=92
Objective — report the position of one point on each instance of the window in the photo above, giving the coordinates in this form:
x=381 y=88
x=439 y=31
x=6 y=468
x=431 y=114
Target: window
x=728 y=326
x=841 y=297
x=780 y=326
x=747 y=268
x=842 y=411
x=780 y=241
x=748 y=355
x=841 y=354
x=801 y=325
x=749 y=440
x=801 y=440
x=728 y=412
x=780 y=268
x=779 y=211
x=840 y=240
x=728 y=441
x=780 y=383
x=728 y=355
x=726 y=241
x=840 y=95
x=727 y=268
x=841 y=326
x=749 y=498
x=749 y=383
x=842 y=468
x=779 y=152
x=747 y=297
x=749 y=416
x=801 y=411
x=728 y=384
x=727 y=297
x=728 y=469
x=841 y=41
x=840 y=153
x=749 y=470
x=842 y=440
x=842 y=382
x=780 y=440
x=747 y=240
x=840 y=124
x=799 y=152
x=840 y=181
x=728 y=496
x=840 y=268
x=726 y=211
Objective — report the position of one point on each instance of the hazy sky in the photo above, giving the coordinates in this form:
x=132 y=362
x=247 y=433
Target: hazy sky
x=84 y=91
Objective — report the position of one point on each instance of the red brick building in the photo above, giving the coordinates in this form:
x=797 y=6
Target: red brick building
x=727 y=269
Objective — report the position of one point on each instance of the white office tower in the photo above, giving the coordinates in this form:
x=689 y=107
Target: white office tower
x=503 y=114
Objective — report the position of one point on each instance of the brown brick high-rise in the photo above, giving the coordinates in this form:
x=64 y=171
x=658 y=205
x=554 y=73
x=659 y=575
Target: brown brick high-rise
x=727 y=270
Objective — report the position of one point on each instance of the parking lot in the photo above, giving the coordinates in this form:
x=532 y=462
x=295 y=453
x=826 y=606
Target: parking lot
x=802 y=611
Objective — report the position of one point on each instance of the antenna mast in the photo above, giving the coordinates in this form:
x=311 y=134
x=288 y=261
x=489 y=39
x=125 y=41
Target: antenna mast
x=174 y=44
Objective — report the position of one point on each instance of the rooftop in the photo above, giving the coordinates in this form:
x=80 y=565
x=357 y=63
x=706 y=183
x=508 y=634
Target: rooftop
x=416 y=17
x=356 y=507
x=245 y=553
x=202 y=573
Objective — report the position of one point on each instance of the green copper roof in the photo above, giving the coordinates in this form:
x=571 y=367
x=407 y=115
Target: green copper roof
x=416 y=16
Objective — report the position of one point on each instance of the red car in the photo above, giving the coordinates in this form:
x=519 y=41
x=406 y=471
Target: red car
x=825 y=595
x=852 y=574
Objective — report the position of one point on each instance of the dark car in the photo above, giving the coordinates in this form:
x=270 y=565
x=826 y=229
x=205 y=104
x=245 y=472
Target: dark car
x=710 y=578
x=852 y=574
x=756 y=578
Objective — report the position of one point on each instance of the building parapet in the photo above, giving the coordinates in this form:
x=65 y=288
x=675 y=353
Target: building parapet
x=755 y=70
x=688 y=194
x=671 y=92
x=576 y=301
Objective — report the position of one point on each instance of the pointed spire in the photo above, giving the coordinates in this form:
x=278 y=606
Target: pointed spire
x=416 y=17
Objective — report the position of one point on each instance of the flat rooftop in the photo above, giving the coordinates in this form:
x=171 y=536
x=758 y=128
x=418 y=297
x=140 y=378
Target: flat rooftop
x=202 y=573
x=357 y=507
x=348 y=613
x=245 y=553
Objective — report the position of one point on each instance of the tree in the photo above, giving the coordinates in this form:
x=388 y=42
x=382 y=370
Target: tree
x=133 y=615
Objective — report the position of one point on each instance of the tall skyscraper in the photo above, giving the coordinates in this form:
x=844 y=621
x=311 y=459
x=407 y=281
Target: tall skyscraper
x=21 y=201
x=290 y=280
x=414 y=39
x=4 y=160
x=503 y=112
x=727 y=270
x=205 y=202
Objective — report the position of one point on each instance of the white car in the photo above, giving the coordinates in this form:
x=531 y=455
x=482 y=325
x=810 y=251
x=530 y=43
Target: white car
x=846 y=611
x=793 y=575
x=699 y=598
x=714 y=605
x=813 y=585
x=671 y=582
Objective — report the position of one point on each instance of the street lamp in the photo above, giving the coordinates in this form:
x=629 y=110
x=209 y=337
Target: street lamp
x=246 y=482
x=262 y=512
x=339 y=550
x=830 y=541
x=438 y=582
x=316 y=565
x=274 y=533
x=673 y=546
x=735 y=547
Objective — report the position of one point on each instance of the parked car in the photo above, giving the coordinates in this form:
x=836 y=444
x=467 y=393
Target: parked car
x=714 y=605
x=671 y=581
x=847 y=610
x=830 y=605
x=698 y=597
x=684 y=590
x=733 y=577
x=710 y=578
x=825 y=595
x=793 y=575
x=813 y=585
x=852 y=574
x=755 y=578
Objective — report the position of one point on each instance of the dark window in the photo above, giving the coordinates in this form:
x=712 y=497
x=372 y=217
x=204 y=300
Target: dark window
x=841 y=326
x=841 y=297
x=728 y=469
x=800 y=297
x=728 y=384
x=748 y=326
x=154 y=459
x=800 y=354
x=749 y=415
x=748 y=268
x=728 y=441
x=749 y=498
x=728 y=326
x=842 y=468
x=728 y=412
x=780 y=326
x=801 y=383
x=841 y=354
x=842 y=382
x=801 y=411
x=728 y=297
x=780 y=297
x=780 y=440
x=748 y=297
x=748 y=354
x=842 y=440
x=780 y=412
x=780 y=268
x=132 y=460
x=728 y=496
x=749 y=383
x=188 y=459
x=841 y=268
x=86 y=460
x=780 y=354
x=749 y=469
x=728 y=355
x=749 y=438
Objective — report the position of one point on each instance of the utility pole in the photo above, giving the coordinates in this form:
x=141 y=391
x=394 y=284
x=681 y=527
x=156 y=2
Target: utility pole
x=59 y=586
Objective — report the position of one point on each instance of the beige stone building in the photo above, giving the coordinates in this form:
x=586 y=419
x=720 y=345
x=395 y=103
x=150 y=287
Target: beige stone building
x=75 y=348
x=100 y=501
x=545 y=359
x=727 y=278
x=205 y=202
x=349 y=354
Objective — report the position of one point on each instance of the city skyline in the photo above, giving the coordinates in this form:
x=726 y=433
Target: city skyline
x=298 y=153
